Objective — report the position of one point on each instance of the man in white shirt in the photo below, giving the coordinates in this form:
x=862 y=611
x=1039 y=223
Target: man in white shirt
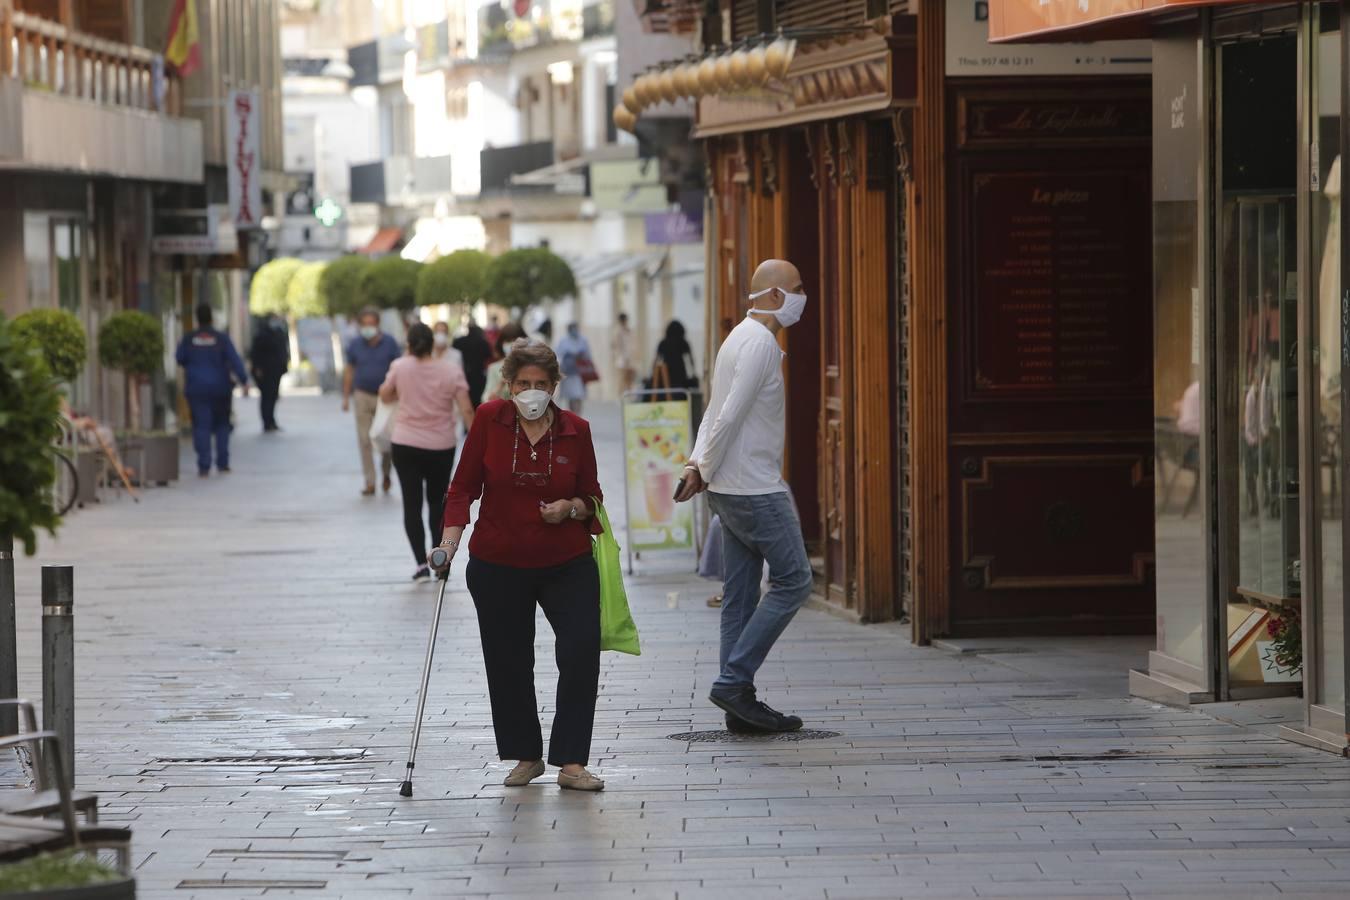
x=738 y=460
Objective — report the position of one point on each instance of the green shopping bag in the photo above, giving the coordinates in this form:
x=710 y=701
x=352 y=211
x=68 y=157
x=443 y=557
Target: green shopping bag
x=617 y=631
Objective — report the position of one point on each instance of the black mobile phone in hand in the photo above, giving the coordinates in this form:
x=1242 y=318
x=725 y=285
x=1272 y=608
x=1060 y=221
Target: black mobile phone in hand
x=679 y=488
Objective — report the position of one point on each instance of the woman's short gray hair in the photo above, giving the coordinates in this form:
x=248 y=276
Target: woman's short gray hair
x=525 y=353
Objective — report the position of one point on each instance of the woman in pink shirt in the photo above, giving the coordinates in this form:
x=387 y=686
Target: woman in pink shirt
x=428 y=390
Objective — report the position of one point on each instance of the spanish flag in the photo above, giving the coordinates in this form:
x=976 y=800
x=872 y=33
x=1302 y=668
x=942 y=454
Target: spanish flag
x=184 y=50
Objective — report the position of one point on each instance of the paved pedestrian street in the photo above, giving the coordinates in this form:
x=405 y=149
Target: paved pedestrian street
x=248 y=655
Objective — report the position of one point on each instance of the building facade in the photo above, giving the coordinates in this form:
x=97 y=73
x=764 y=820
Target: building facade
x=1074 y=356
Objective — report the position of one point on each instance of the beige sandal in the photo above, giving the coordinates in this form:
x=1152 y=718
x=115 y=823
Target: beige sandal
x=524 y=772
x=584 y=781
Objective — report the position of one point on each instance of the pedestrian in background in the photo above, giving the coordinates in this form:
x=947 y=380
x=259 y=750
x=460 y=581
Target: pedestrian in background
x=534 y=467
x=493 y=335
x=209 y=360
x=575 y=354
x=429 y=392
x=440 y=335
x=369 y=356
x=738 y=459
x=270 y=358
x=497 y=388
x=673 y=352
x=476 y=351
x=622 y=348
x=546 y=332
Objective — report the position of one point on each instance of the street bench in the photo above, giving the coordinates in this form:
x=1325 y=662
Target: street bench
x=26 y=830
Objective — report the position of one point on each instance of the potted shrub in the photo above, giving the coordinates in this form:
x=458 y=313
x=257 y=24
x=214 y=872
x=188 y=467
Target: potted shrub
x=131 y=342
x=58 y=334
x=457 y=279
x=528 y=276
x=64 y=876
x=30 y=398
x=391 y=283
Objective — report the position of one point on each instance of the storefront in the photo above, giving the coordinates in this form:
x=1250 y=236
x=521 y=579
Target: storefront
x=1251 y=341
x=812 y=174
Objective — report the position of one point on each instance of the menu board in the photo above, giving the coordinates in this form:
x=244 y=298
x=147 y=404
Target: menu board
x=1061 y=280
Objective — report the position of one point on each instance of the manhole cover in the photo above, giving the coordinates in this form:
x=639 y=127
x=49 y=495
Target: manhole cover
x=806 y=734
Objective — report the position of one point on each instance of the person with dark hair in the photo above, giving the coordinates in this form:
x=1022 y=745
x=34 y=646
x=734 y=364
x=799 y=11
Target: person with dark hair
x=429 y=391
x=497 y=388
x=534 y=467
x=369 y=356
x=672 y=352
x=476 y=351
x=270 y=358
x=209 y=359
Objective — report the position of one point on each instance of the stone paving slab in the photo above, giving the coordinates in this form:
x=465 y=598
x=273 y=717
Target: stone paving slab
x=248 y=655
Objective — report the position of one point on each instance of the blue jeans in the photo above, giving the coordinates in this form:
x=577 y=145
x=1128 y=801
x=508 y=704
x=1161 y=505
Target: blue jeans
x=211 y=418
x=757 y=529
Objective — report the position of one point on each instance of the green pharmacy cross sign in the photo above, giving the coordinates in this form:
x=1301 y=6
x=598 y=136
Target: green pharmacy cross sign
x=328 y=212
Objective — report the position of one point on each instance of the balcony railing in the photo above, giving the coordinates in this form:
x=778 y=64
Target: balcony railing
x=397 y=180
x=48 y=56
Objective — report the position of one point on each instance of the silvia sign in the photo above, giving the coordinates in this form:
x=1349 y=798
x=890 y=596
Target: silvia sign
x=242 y=123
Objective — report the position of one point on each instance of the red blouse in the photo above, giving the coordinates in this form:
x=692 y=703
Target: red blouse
x=510 y=531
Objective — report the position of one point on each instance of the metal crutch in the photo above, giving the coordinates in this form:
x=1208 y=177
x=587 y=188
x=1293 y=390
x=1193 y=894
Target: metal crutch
x=437 y=559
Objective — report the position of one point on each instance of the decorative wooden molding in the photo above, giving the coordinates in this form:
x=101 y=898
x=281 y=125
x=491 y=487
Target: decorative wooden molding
x=812 y=158
x=902 y=124
x=741 y=162
x=848 y=166
x=827 y=156
x=768 y=164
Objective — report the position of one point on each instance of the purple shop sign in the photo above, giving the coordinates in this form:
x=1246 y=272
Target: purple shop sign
x=674 y=228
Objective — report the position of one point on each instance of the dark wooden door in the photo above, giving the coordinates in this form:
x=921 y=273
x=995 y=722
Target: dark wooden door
x=1050 y=379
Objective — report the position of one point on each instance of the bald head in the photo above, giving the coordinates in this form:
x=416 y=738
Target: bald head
x=776 y=273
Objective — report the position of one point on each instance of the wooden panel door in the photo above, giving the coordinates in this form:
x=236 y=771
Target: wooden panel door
x=1050 y=379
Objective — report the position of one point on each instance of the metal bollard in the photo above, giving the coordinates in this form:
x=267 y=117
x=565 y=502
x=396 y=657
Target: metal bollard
x=9 y=648
x=58 y=660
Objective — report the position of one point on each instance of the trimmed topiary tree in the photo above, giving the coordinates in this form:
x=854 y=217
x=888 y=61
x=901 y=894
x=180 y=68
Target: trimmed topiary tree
x=391 y=283
x=303 y=299
x=30 y=409
x=267 y=292
x=132 y=343
x=59 y=335
x=528 y=276
x=457 y=278
x=340 y=285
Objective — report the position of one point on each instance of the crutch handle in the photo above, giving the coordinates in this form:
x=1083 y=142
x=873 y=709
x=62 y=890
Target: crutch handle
x=439 y=559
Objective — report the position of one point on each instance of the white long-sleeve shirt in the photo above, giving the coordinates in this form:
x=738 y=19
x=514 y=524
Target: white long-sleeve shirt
x=739 y=449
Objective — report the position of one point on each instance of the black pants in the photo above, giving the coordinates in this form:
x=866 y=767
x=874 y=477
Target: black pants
x=477 y=384
x=422 y=471
x=269 y=388
x=505 y=598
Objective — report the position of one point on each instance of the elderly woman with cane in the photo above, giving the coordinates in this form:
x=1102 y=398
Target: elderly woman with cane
x=534 y=467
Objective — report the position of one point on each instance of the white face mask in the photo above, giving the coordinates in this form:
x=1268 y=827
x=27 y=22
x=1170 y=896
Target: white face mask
x=789 y=313
x=440 y=338
x=532 y=404
x=369 y=331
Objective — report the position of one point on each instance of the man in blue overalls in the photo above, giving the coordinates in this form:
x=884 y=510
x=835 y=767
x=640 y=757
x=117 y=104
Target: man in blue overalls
x=208 y=358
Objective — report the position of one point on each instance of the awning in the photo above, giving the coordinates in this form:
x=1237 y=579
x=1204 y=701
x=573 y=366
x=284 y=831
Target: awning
x=601 y=267
x=1012 y=21
x=550 y=175
x=384 y=241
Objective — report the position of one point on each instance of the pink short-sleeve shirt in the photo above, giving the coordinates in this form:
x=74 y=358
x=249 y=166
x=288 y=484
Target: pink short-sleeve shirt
x=428 y=391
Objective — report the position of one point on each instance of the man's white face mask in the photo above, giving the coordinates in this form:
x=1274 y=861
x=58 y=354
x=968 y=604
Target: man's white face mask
x=789 y=313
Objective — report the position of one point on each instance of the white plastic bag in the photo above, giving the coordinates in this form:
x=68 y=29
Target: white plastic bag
x=382 y=427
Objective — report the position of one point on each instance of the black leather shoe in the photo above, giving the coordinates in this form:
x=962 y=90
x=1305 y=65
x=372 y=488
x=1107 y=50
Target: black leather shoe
x=736 y=726
x=742 y=704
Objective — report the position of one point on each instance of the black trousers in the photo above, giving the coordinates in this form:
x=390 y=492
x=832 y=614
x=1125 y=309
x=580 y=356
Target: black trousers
x=422 y=471
x=505 y=598
x=269 y=388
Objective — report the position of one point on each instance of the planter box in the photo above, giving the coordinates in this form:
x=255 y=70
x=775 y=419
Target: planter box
x=124 y=889
x=159 y=458
x=87 y=466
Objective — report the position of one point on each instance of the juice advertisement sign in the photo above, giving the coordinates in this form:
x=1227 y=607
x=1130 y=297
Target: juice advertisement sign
x=656 y=442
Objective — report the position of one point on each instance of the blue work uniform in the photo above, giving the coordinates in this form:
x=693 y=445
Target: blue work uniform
x=208 y=359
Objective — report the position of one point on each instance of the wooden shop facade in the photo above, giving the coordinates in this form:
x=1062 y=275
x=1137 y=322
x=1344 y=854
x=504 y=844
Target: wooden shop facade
x=970 y=434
